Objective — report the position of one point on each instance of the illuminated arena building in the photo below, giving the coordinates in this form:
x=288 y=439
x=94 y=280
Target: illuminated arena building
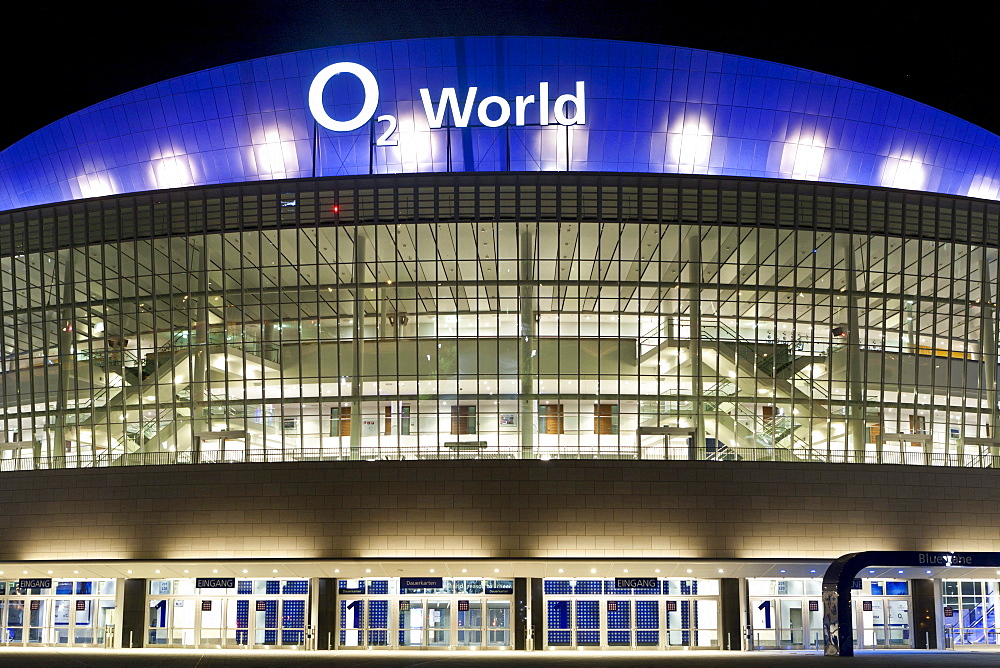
x=516 y=343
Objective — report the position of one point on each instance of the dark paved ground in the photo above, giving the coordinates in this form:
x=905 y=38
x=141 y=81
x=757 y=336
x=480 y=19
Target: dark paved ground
x=74 y=658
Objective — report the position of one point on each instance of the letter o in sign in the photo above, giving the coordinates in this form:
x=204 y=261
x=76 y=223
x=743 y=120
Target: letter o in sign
x=318 y=85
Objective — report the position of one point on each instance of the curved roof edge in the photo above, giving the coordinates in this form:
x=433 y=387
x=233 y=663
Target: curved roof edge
x=499 y=104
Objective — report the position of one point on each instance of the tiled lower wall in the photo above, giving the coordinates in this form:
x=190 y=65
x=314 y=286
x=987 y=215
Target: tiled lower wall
x=503 y=509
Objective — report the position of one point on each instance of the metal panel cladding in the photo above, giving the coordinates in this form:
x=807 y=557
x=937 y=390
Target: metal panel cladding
x=611 y=107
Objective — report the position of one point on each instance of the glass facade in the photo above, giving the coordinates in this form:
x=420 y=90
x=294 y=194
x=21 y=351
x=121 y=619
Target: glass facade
x=77 y=613
x=596 y=614
x=463 y=613
x=501 y=316
x=254 y=613
x=968 y=611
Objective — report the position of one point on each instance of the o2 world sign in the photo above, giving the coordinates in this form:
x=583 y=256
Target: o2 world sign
x=492 y=111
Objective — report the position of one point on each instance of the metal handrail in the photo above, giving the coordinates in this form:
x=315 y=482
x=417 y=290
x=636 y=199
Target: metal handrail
x=731 y=454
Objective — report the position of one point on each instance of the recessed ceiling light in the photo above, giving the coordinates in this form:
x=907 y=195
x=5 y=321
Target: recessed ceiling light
x=157 y=570
x=274 y=570
x=244 y=570
x=215 y=570
x=336 y=570
x=432 y=570
x=592 y=570
x=624 y=570
x=464 y=570
x=186 y=570
x=496 y=570
x=689 y=570
x=560 y=570
x=657 y=570
x=49 y=572
x=721 y=571
x=125 y=571
x=368 y=570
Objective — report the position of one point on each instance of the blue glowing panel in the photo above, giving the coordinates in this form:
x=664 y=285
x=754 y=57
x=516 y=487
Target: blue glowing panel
x=499 y=104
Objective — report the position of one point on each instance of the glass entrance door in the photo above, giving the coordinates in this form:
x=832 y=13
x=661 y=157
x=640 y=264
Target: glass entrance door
x=631 y=623
x=425 y=623
x=210 y=621
x=482 y=622
x=411 y=623
x=786 y=623
x=438 y=623
x=465 y=623
x=71 y=617
x=463 y=613
x=883 y=622
x=255 y=613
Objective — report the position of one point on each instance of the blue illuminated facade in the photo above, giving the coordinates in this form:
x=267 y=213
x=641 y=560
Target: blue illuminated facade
x=649 y=109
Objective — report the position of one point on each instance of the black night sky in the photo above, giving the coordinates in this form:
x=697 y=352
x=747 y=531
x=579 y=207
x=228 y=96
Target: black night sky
x=60 y=59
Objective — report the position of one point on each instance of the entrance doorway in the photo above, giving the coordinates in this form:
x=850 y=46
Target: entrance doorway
x=594 y=614
x=461 y=614
x=68 y=614
x=882 y=623
x=254 y=613
x=785 y=614
x=787 y=623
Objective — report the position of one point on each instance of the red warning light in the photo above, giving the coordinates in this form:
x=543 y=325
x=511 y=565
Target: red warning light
x=336 y=208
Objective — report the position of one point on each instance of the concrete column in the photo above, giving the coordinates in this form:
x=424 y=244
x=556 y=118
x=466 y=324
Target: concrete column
x=697 y=442
x=988 y=351
x=326 y=613
x=199 y=360
x=730 y=607
x=527 y=343
x=855 y=374
x=360 y=250
x=537 y=623
x=520 y=612
x=133 y=616
x=923 y=614
x=64 y=349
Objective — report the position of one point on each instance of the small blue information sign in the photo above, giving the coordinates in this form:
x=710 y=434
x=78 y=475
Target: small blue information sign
x=421 y=583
